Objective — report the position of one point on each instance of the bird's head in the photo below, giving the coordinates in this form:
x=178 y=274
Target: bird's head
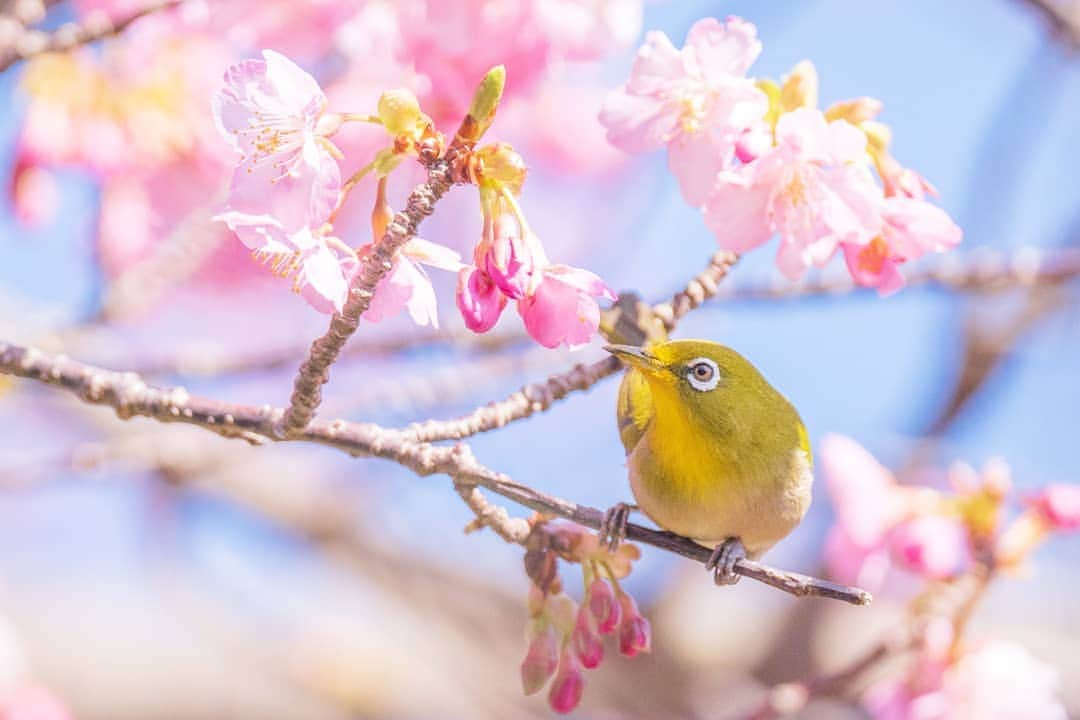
x=708 y=383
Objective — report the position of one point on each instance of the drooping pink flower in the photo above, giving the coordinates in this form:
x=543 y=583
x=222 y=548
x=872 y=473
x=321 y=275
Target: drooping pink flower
x=910 y=228
x=812 y=188
x=540 y=661
x=562 y=310
x=568 y=685
x=273 y=114
x=1058 y=506
x=697 y=101
x=479 y=299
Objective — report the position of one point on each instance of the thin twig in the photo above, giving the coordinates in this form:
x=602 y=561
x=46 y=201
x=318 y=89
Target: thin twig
x=130 y=396
x=96 y=26
x=538 y=397
x=980 y=271
x=314 y=372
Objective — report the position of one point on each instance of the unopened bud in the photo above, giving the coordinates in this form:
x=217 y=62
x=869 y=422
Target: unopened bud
x=585 y=641
x=800 y=88
x=399 y=112
x=381 y=213
x=568 y=685
x=488 y=94
x=856 y=111
x=540 y=661
x=500 y=163
x=635 y=634
x=603 y=606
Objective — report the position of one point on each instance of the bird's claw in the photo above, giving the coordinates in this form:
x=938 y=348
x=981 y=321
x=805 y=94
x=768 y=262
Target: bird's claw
x=723 y=560
x=613 y=528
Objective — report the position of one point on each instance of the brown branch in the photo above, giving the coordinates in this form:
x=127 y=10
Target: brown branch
x=314 y=372
x=979 y=271
x=538 y=397
x=1062 y=17
x=130 y=396
x=96 y=26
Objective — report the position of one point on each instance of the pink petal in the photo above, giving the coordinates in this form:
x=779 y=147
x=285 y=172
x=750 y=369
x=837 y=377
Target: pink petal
x=323 y=280
x=933 y=546
x=432 y=254
x=695 y=160
x=723 y=49
x=803 y=132
x=914 y=227
x=479 y=301
x=737 y=212
x=637 y=124
x=1059 y=506
x=560 y=313
x=656 y=65
x=864 y=494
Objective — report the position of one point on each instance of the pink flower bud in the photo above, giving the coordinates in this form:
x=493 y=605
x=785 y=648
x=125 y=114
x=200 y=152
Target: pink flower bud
x=585 y=641
x=603 y=606
x=479 y=301
x=635 y=634
x=509 y=261
x=568 y=685
x=1058 y=506
x=540 y=661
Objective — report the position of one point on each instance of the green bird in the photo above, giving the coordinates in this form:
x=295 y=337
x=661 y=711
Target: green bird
x=714 y=452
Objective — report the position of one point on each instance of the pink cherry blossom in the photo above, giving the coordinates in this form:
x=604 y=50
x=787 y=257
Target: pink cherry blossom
x=910 y=229
x=812 y=188
x=568 y=685
x=273 y=114
x=562 y=310
x=479 y=299
x=585 y=640
x=33 y=192
x=635 y=633
x=696 y=100
x=1058 y=506
x=881 y=524
x=604 y=606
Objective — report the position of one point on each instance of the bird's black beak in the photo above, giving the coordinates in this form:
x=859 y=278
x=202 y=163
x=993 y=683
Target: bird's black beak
x=634 y=356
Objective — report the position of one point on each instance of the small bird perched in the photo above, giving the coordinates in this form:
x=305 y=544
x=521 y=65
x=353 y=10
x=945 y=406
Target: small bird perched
x=715 y=453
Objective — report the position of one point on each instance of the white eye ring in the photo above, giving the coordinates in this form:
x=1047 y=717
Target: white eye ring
x=702 y=374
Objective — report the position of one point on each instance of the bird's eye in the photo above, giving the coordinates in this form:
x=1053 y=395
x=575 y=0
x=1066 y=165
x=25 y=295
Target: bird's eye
x=703 y=374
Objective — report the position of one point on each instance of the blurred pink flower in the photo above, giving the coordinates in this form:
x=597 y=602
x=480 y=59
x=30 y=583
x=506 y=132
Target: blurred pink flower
x=910 y=228
x=1058 y=506
x=272 y=113
x=878 y=524
x=812 y=188
x=589 y=29
x=32 y=702
x=33 y=191
x=635 y=633
x=696 y=100
x=998 y=681
x=562 y=310
x=585 y=640
x=604 y=606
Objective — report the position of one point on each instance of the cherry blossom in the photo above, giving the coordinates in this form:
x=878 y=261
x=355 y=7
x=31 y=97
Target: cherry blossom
x=696 y=100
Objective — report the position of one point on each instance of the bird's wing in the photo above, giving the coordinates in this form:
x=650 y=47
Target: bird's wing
x=635 y=409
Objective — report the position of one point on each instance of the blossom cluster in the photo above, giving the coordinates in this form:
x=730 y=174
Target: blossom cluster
x=133 y=115
x=883 y=526
x=566 y=638
x=761 y=159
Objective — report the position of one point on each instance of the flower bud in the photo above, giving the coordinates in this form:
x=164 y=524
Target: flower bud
x=510 y=261
x=479 y=301
x=399 y=112
x=603 y=606
x=568 y=685
x=540 y=661
x=635 y=634
x=585 y=642
x=856 y=111
x=487 y=97
x=800 y=88
x=500 y=163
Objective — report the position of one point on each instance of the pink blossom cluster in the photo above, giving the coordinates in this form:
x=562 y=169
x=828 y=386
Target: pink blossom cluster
x=565 y=638
x=287 y=190
x=134 y=116
x=761 y=159
x=994 y=680
x=882 y=525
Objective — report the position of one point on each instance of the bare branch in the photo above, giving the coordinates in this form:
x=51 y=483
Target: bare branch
x=980 y=271
x=130 y=396
x=538 y=397
x=96 y=26
x=1062 y=16
x=314 y=372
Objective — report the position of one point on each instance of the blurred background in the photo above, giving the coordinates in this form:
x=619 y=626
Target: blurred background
x=152 y=571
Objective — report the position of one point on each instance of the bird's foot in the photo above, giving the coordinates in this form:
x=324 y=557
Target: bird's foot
x=723 y=559
x=613 y=528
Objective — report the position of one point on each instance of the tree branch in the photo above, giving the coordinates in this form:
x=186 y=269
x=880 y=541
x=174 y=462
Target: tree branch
x=314 y=372
x=130 y=396
x=96 y=26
